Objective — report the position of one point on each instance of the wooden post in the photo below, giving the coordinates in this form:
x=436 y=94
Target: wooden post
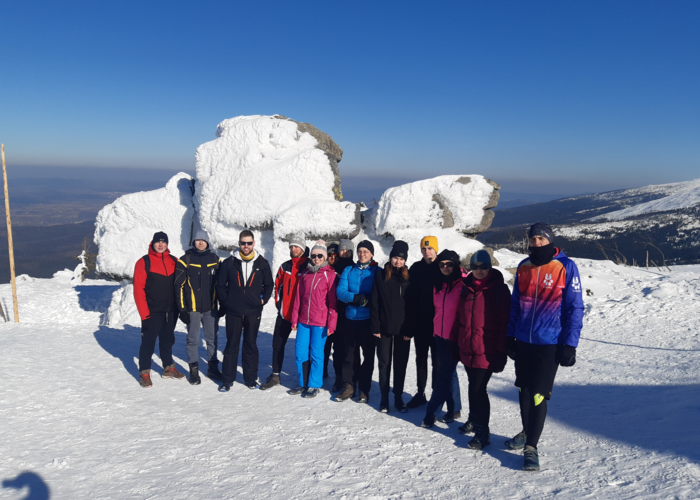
x=9 y=237
x=647 y=260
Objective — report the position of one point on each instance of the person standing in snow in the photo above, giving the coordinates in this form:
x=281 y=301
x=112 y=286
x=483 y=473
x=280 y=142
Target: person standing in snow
x=446 y=292
x=388 y=324
x=546 y=317
x=314 y=318
x=244 y=285
x=483 y=313
x=285 y=293
x=195 y=293
x=154 y=294
x=355 y=289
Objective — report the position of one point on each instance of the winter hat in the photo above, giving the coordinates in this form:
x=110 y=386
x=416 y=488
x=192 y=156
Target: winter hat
x=541 y=229
x=346 y=245
x=297 y=240
x=201 y=234
x=160 y=236
x=320 y=247
x=365 y=244
x=333 y=248
x=481 y=256
x=400 y=249
x=448 y=255
x=429 y=241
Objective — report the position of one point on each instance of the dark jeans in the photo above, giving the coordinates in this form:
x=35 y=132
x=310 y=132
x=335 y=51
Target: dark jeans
x=283 y=329
x=401 y=349
x=479 y=404
x=235 y=325
x=358 y=336
x=159 y=326
x=337 y=342
x=442 y=384
x=423 y=343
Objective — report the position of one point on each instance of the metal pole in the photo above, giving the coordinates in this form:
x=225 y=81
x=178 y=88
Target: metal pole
x=9 y=237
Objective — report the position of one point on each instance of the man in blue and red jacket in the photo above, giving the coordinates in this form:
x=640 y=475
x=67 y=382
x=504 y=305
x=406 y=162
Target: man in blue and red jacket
x=546 y=318
x=154 y=293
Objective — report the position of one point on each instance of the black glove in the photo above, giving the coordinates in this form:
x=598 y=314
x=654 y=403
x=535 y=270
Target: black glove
x=566 y=355
x=454 y=351
x=360 y=300
x=512 y=348
x=222 y=311
x=184 y=317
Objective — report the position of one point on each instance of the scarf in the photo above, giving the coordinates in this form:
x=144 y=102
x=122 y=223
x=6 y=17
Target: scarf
x=315 y=269
x=540 y=256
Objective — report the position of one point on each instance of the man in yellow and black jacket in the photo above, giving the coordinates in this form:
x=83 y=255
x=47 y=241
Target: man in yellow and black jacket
x=195 y=294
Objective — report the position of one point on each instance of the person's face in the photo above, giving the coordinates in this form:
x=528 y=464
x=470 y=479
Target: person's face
x=346 y=254
x=246 y=245
x=200 y=245
x=295 y=252
x=332 y=258
x=364 y=255
x=398 y=262
x=160 y=246
x=480 y=274
x=538 y=241
x=429 y=254
x=446 y=267
x=317 y=258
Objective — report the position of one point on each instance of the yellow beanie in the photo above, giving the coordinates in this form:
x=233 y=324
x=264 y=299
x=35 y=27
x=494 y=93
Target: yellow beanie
x=429 y=241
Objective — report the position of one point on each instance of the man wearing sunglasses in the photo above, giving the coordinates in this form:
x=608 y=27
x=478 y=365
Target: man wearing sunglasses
x=546 y=317
x=244 y=285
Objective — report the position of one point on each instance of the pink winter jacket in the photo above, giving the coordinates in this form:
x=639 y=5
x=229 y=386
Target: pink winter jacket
x=446 y=304
x=315 y=303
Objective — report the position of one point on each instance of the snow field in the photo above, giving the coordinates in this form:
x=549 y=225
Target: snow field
x=622 y=423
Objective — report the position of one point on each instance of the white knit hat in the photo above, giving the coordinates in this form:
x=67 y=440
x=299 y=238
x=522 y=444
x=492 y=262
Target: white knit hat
x=320 y=247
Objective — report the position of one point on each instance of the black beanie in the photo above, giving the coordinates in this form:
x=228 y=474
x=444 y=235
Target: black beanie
x=447 y=255
x=541 y=229
x=160 y=236
x=400 y=249
x=366 y=244
x=333 y=248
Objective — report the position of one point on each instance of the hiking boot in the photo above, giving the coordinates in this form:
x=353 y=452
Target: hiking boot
x=417 y=400
x=481 y=439
x=428 y=422
x=384 y=404
x=448 y=417
x=253 y=385
x=145 y=379
x=457 y=414
x=348 y=392
x=194 y=374
x=337 y=387
x=271 y=381
x=225 y=388
x=399 y=404
x=517 y=442
x=296 y=391
x=363 y=398
x=468 y=426
x=171 y=372
x=311 y=392
x=213 y=372
x=531 y=459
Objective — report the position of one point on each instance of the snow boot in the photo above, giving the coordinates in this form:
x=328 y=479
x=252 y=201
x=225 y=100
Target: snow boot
x=468 y=426
x=517 y=442
x=384 y=404
x=481 y=439
x=171 y=372
x=448 y=417
x=338 y=386
x=253 y=385
x=417 y=400
x=531 y=459
x=272 y=380
x=296 y=391
x=213 y=371
x=225 y=388
x=311 y=392
x=363 y=398
x=145 y=379
x=457 y=415
x=399 y=404
x=428 y=422
x=348 y=392
x=194 y=374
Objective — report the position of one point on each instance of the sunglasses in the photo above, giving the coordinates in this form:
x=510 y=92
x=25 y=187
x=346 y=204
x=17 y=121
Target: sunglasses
x=444 y=265
x=246 y=243
x=317 y=256
x=483 y=267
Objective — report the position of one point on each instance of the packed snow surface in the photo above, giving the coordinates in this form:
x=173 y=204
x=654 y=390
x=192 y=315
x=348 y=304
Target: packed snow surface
x=622 y=422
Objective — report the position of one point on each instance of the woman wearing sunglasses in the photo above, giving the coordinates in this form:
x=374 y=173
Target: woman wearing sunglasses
x=482 y=323
x=314 y=317
x=446 y=293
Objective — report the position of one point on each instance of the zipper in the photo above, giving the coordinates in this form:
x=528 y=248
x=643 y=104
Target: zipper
x=444 y=298
x=534 y=307
x=311 y=293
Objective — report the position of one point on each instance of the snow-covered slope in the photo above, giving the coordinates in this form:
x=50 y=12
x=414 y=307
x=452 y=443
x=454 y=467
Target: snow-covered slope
x=622 y=422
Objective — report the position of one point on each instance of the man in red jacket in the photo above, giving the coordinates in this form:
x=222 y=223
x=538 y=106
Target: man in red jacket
x=154 y=293
x=285 y=292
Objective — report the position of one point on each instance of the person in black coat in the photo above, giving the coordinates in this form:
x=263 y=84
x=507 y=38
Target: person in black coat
x=244 y=285
x=387 y=322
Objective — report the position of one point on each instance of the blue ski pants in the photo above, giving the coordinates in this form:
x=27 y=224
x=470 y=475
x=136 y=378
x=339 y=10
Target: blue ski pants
x=310 y=343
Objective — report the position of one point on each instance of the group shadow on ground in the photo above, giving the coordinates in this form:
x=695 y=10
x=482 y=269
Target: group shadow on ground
x=37 y=489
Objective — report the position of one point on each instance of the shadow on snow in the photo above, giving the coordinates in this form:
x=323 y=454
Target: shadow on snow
x=37 y=488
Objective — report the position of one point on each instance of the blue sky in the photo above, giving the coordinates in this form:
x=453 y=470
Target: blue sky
x=541 y=96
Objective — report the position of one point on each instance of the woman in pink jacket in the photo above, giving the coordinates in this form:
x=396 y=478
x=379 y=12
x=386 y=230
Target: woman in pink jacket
x=314 y=317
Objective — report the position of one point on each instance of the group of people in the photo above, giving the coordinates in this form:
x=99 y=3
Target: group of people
x=338 y=299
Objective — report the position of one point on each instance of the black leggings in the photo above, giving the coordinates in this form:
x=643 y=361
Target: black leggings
x=479 y=404
x=533 y=416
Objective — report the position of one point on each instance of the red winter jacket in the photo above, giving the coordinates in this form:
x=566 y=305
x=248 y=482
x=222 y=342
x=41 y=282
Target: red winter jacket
x=482 y=323
x=286 y=285
x=446 y=303
x=155 y=292
x=315 y=303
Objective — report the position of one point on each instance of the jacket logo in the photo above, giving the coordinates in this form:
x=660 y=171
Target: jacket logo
x=576 y=284
x=548 y=281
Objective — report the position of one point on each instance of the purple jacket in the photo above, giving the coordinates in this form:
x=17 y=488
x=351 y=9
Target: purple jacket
x=446 y=304
x=315 y=302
